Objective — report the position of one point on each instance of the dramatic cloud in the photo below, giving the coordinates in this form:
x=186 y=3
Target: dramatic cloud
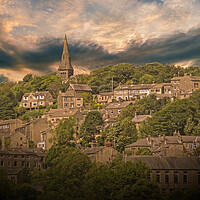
x=99 y=33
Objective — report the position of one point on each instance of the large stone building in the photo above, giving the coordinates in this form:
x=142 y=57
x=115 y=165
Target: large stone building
x=15 y=160
x=114 y=109
x=172 y=173
x=101 y=154
x=184 y=86
x=65 y=69
x=73 y=98
x=36 y=99
x=176 y=145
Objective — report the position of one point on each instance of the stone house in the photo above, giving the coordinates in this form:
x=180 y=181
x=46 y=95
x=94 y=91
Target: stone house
x=36 y=99
x=128 y=92
x=8 y=126
x=101 y=154
x=55 y=115
x=172 y=173
x=138 y=119
x=183 y=86
x=114 y=109
x=106 y=97
x=73 y=98
x=15 y=160
x=175 y=145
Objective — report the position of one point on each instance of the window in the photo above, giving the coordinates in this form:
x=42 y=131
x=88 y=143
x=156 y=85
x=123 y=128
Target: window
x=174 y=88
x=174 y=82
x=23 y=163
x=66 y=105
x=119 y=111
x=66 y=99
x=196 y=85
x=34 y=104
x=187 y=146
x=2 y=155
x=12 y=178
x=22 y=156
x=164 y=191
x=167 y=175
x=41 y=97
x=15 y=156
x=194 y=146
x=111 y=111
x=158 y=177
x=27 y=157
x=41 y=103
x=78 y=99
x=25 y=104
x=78 y=104
x=9 y=164
x=35 y=97
x=2 y=163
x=25 y=98
x=185 y=177
x=28 y=164
x=198 y=177
x=15 y=163
x=176 y=177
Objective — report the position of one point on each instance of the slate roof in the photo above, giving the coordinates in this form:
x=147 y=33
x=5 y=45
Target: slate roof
x=118 y=105
x=62 y=112
x=107 y=94
x=168 y=163
x=93 y=150
x=140 y=118
x=140 y=143
x=190 y=139
x=81 y=87
x=134 y=87
x=36 y=93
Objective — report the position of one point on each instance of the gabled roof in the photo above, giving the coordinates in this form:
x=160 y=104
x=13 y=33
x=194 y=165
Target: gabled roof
x=118 y=105
x=80 y=87
x=140 y=118
x=134 y=87
x=168 y=163
x=190 y=139
x=43 y=93
x=106 y=94
x=93 y=150
x=62 y=112
x=140 y=143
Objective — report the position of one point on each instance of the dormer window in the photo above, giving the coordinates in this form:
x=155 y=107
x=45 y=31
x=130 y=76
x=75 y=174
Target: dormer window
x=35 y=97
x=25 y=98
x=42 y=97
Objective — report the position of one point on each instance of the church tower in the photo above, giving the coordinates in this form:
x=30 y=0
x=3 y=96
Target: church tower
x=65 y=69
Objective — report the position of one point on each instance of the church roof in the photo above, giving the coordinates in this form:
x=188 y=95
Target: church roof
x=65 y=62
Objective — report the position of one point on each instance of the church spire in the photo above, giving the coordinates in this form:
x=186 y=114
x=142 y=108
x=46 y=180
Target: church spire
x=65 y=58
x=65 y=69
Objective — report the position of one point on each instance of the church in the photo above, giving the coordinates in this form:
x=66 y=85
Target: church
x=65 y=69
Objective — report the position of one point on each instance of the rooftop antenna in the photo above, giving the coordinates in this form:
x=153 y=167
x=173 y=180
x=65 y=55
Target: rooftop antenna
x=112 y=84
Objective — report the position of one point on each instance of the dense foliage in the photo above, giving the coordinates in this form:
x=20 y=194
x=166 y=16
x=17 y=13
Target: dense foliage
x=101 y=79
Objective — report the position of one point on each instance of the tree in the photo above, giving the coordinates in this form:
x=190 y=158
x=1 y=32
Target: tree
x=88 y=128
x=189 y=127
x=64 y=132
x=147 y=79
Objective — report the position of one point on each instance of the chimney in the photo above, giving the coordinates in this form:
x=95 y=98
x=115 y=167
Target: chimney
x=107 y=143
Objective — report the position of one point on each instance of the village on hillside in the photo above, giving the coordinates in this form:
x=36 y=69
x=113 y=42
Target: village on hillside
x=173 y=157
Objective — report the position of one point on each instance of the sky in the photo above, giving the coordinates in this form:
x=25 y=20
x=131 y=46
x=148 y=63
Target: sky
x=99 y=33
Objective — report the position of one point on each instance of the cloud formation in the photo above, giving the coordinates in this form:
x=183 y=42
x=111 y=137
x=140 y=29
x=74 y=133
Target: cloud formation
x=99 y=33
